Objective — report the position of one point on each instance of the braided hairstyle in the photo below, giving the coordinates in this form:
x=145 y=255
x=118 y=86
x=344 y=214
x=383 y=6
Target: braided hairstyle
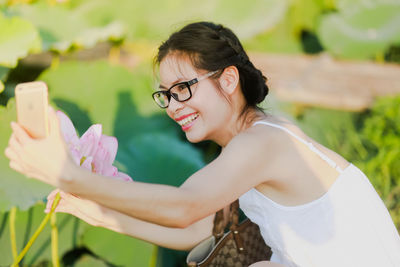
x=214 y=47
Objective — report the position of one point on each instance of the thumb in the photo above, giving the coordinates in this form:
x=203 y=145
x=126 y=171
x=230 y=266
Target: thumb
x=50 y=199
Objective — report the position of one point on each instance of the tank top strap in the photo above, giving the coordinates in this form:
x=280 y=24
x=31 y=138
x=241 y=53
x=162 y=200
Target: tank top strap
x=308 y=144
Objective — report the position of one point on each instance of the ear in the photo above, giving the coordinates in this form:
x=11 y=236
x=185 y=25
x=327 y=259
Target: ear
x=229 y=80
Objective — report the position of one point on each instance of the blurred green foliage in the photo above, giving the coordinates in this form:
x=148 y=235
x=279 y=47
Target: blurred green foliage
x=370 y=140
x=361 y=31
x=381 y=136
x=18 y=38
x=70 y=229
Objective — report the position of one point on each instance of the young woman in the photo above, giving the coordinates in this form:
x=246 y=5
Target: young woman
x=313 y=207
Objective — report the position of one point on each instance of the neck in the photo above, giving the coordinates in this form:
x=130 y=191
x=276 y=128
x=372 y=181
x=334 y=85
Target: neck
x=237 y=124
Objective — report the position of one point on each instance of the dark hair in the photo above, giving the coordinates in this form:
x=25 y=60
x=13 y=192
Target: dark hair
x=213 y=47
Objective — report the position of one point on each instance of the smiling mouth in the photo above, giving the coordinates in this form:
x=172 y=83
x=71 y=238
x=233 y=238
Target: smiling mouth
x=187 y=119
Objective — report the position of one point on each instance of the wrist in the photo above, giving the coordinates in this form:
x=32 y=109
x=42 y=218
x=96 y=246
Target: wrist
x=69 y=176
x=106 y=218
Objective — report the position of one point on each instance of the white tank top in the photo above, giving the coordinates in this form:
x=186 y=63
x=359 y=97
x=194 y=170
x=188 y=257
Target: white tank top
x=349 y=226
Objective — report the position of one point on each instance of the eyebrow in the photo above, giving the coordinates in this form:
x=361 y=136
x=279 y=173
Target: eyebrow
x=175 y=82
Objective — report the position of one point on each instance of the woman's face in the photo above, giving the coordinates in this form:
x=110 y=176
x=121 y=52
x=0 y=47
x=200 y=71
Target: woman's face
x=201 y=117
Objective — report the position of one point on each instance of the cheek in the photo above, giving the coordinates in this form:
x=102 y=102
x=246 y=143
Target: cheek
x=215 y=104
x=208 y=100
x=169 y=113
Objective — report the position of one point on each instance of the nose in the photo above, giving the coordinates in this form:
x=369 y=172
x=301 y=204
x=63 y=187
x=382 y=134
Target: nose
x=174 y=105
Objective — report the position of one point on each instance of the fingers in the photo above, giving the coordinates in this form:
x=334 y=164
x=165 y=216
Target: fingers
x=50 y=200
x=14 y=144
x=16 y=167
x=10 y=154
x=65 y=205
x=53 y=121
x=20 y=134
x=48 y=206
x=14 y=153
x=52 y=194
x=13 y=149
x=60 y=207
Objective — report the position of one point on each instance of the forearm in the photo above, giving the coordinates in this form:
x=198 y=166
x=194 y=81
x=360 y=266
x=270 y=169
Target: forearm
x=161 y=204
x=174 y=238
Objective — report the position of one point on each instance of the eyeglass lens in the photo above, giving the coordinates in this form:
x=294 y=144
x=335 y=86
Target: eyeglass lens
x=180 y=92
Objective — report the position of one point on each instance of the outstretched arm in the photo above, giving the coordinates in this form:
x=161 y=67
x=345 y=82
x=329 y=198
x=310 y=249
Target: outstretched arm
x=98 y=215
x=239 y=167
x=205 y=192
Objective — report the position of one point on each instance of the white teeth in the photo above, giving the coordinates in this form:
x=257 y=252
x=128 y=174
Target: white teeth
x=188 y=119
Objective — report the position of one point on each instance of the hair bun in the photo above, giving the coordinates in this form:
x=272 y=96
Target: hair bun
x=253 y=83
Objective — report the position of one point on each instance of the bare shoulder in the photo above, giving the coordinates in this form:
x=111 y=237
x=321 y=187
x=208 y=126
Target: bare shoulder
x=264 y=139
x=259 y=150
x=254 y=140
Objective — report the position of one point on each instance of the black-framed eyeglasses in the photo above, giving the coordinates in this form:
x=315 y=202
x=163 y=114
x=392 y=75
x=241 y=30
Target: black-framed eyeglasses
x=180 y=91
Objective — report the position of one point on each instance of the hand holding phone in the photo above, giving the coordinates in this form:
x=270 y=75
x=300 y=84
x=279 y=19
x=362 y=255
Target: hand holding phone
x=32 y=108
x=45 y=159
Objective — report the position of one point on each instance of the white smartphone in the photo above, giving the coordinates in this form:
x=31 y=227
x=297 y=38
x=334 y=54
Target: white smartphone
x=32 y=108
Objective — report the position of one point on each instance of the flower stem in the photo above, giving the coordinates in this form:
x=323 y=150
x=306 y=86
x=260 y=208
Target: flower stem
x=153 y=259
x=54 y=241
x=38 y=231
x=13 y=214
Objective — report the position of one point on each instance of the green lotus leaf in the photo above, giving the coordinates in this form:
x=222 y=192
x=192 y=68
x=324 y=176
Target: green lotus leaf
x=61 y=28
x=15 y=189
x=304 y=14
x=96 y=92
x=280 y=39
x=18 y=38
x=246 y=20
x=350 y=6
x=159 y=158
x=89 y=37
x=284 y=36
x=117 y=249
x=363 y=33
x=3 y=74
x=70 y=230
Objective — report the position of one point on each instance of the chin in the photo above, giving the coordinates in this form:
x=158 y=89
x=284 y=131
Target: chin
x=194 y=138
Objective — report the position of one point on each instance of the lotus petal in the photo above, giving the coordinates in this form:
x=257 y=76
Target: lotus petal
x=87 y=163
x=108 y=146
x=124 y=177
x=68 y=129
x=110 y=171
x=89 y=141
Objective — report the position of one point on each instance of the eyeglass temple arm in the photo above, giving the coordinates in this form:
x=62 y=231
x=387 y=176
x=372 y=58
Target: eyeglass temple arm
x=205 y=76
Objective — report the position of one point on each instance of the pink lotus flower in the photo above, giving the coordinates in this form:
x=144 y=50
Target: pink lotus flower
x=93 y=151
